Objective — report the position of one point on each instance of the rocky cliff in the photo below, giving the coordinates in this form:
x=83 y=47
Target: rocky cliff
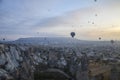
x=24 y=62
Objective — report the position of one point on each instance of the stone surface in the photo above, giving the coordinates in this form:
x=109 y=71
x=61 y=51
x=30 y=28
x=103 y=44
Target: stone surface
x=20 y=62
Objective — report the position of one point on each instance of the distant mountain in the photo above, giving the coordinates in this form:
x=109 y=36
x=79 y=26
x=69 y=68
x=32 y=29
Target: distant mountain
x=48 y=40
x=58 y=41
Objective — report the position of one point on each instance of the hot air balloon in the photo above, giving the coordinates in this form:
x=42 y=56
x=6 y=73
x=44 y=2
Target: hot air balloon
x=112 y=41
x=88 y=21
x=99 y=38
x=92 y=22
x=37 y=32
x=95 y=0
x=95 y=14
x=72 y=34
x=3 y=39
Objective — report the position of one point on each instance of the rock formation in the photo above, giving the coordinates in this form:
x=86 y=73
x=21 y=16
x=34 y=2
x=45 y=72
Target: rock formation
x=24 y=62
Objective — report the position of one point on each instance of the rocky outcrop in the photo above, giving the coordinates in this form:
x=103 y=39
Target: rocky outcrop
x=21 y=62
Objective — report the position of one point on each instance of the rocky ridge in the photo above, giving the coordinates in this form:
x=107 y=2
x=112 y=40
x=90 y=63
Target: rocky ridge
x=19 y=62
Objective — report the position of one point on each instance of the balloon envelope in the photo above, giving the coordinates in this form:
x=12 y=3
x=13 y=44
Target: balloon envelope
x=99 y=38
x=95 y=0
x=72 y=34
x=112 y=41
x=3 y=39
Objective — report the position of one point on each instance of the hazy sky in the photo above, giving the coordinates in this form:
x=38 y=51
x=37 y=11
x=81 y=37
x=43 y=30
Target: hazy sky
x=87 y=18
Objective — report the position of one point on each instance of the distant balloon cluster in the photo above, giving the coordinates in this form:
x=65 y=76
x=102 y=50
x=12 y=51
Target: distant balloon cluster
x=73 y=33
